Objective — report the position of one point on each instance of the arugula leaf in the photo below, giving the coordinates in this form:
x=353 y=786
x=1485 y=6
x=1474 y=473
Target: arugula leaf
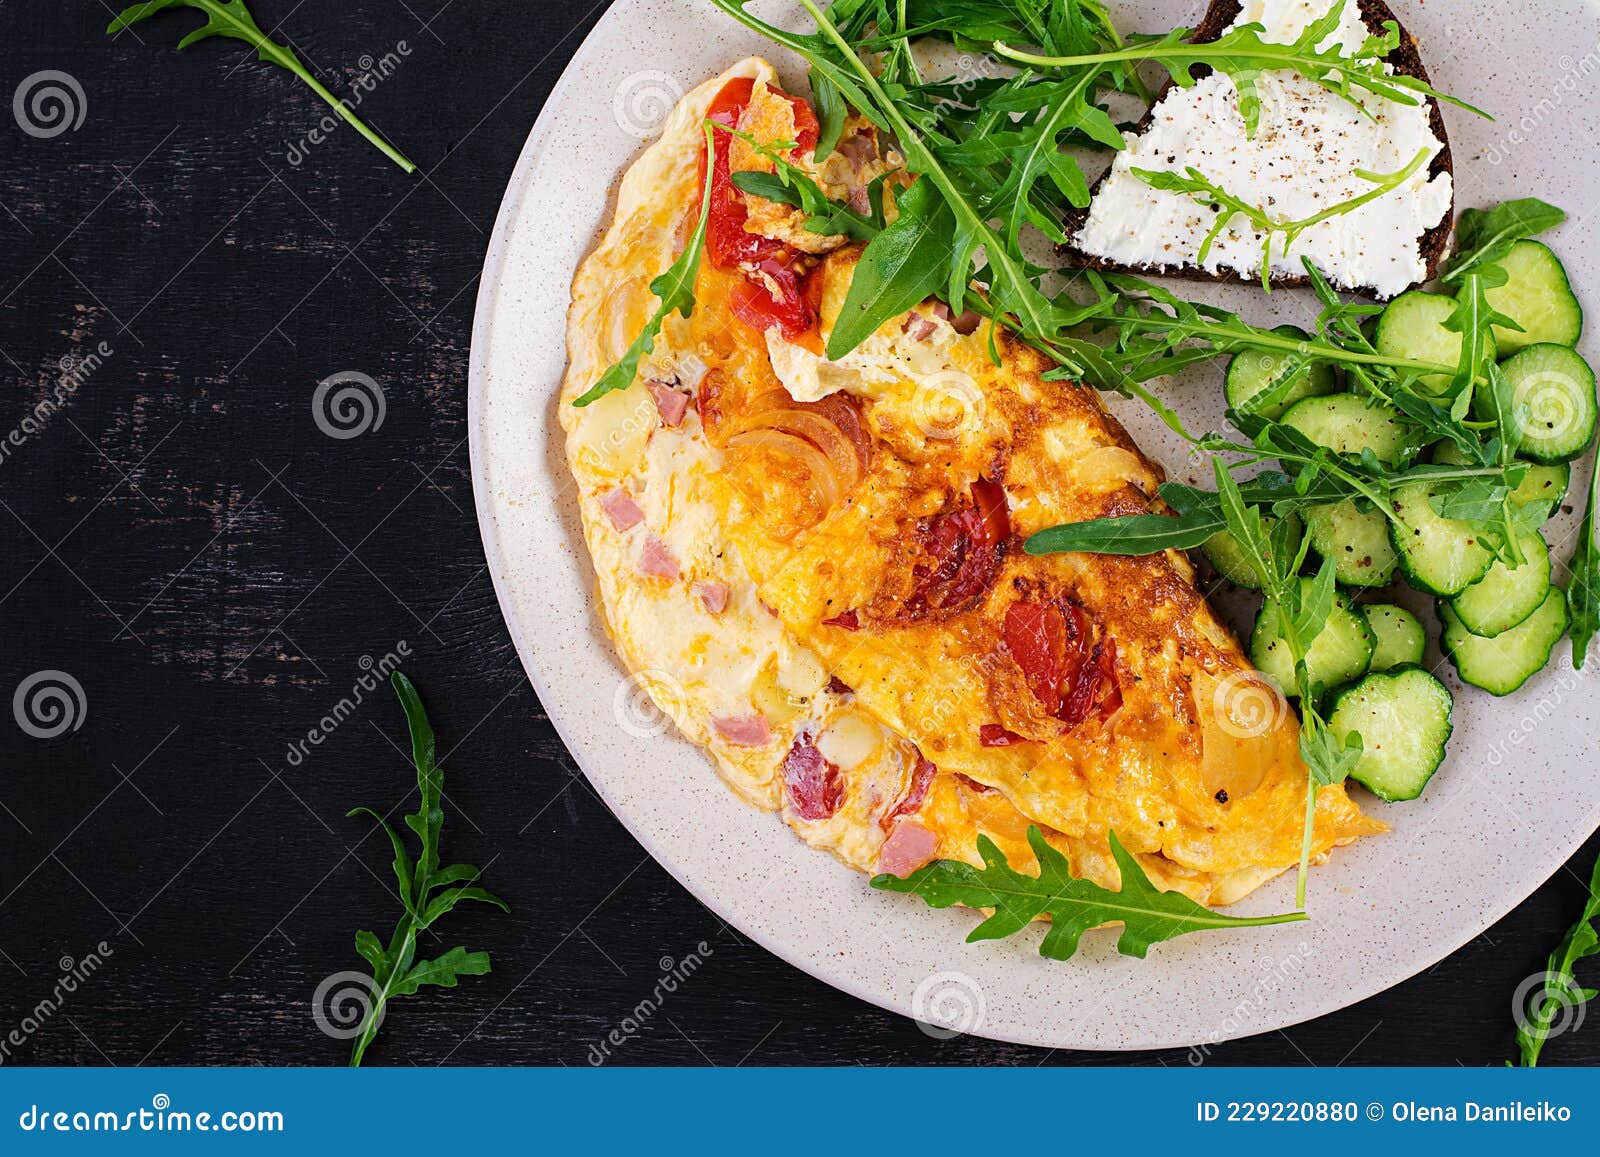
x=900 y=267
x=1560 y=990
x=1583 y=592
x=1207 y=192
x=426 y=891
x=674 y=289
x=1484 y=236
x=232 y=19
x=1243 y=55
x=1074 y=905
x=789 y=184
x=1131 y=534
x=1009 y=277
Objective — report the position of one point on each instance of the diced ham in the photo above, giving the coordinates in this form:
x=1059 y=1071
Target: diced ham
x=861 y=200
x=921 y=778
x=671 y=404
x=712 y=594
x=860 y=149
x=919 y=328
x=621 y=509
x=656 y=560
x=847 y=621
x=908 y=847
x=940 y=310
x=743 y=730
x=814 y=786
x=966 y=323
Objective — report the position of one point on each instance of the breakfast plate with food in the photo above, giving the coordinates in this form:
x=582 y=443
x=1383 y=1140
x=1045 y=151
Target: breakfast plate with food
x=1069 y=521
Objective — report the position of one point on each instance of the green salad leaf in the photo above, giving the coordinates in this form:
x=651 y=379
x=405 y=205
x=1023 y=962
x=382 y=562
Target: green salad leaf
x=1075 y=905
x=674 y=289
x=1484 y=236
x=1583 y=592
x=901 y=267
x=232 y=20
x=427 y=891
x=1560 y=991
x=1243 y=54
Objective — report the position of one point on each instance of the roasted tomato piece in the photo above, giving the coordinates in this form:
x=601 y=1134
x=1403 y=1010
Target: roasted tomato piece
x=806 y=129
x=773 y=296
x=993 y=735
x=727 y=240
x=1096 y=690
x=962 y=549
x=815 y=787
x=1072 y=676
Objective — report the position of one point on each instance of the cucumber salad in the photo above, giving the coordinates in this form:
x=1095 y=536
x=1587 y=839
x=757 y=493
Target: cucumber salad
x=1458 y=469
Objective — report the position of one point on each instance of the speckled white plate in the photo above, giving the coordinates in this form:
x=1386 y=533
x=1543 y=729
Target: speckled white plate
x=1519 y=793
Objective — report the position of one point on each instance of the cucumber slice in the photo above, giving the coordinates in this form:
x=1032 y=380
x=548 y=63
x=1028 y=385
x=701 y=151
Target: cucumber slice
x=1412 y=327
x=1349 y=425
x=1537 y=297
x=1505 y=597
x=1502 y=664
x=1255 y=380
x=1357 y=542
x=1341 y=652
x=1226 y=557
x=1553 y=405
x=1543 y=487
x=1401 y=639
x=1403 y=718
x=1437 y=555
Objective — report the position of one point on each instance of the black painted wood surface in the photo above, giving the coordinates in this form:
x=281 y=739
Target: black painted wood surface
x=214 y=572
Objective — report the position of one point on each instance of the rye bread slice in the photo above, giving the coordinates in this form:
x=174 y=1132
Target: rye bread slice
x=1407 y=61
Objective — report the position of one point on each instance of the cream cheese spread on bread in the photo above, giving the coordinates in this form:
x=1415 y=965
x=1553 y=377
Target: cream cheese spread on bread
x=1307 y=154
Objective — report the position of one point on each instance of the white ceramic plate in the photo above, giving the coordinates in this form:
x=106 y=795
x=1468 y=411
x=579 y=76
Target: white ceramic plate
x=1521 y=788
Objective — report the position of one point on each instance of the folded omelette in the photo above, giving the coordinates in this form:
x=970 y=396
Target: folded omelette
x=815 y=567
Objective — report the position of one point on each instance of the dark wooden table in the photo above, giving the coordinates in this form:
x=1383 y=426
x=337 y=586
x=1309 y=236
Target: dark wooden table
x=214 y=572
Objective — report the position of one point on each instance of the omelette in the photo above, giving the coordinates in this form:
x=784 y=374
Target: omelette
x=814 y=568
